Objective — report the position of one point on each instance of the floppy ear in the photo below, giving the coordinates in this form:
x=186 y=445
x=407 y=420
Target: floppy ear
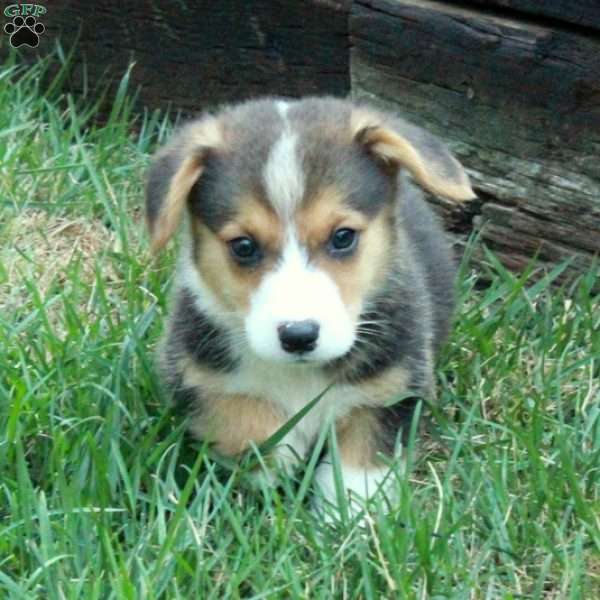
x=399 y=144
x=172 y=175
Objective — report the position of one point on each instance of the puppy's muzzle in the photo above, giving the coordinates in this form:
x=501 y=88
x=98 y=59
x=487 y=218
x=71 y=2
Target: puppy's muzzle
x=298 y=337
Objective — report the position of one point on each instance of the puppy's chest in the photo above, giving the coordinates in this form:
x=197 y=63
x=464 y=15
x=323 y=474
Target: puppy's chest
x=288 y=389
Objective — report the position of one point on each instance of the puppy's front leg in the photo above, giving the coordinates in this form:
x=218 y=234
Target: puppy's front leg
x=232 y=422
x=361 y=448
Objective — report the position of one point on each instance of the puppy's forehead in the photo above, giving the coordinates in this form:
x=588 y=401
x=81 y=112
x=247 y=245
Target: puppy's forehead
x=283 y=153
x=260 y=123
x=332 y=160
x=232 y=174
x=277 y=143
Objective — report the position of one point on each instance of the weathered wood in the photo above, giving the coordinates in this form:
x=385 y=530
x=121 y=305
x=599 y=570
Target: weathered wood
x=518 y=103
x=512 y=85
x=582 y=13
x=193 y=55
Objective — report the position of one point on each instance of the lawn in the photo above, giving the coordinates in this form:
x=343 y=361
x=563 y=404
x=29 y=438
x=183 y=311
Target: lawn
x=102 y=495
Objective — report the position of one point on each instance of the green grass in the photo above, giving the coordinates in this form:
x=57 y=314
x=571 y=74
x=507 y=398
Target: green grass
x=102 y=496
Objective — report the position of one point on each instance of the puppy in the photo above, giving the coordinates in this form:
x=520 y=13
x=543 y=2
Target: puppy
x=310 y=259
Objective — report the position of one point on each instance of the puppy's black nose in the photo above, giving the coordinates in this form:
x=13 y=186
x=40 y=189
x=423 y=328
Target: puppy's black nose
x=298 y=336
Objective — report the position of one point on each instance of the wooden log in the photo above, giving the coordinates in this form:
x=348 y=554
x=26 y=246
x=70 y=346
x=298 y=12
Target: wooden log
x=515 y=93
x=519 y=104
x=581 y=13
x=193 y=55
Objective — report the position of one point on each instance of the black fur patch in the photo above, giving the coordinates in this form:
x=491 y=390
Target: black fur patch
x=194 y=334
x=392 y=334
x=369 y=187
x=433 y=253
x=411 y=308
x=186 y=399
x=366 y=187
x=394 y=419
x=159 y=179
x=211 y=197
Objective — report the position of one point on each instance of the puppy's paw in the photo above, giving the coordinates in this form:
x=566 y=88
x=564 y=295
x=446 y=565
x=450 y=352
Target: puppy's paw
x=282 y=461
x=359 y=486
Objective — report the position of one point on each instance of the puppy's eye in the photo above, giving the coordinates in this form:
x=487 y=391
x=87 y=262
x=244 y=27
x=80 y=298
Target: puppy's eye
x=343 y=242
x=245 y=250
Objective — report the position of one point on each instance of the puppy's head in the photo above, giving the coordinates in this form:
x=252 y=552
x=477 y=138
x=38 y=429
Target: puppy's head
x=292 y=208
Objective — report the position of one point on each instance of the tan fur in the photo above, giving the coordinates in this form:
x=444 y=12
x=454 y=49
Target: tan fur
x=231 y=284
x=231 y=422
x=359 y=432
x=380 y=390
x=198 y=137
x=361 y=119
x=323 y=214
x=207 y=133
x=357 y=439
x=358 y=275
x=395 y=148
x=207 y=379
x=165 y=225
x=257 y=220
x=315 y=222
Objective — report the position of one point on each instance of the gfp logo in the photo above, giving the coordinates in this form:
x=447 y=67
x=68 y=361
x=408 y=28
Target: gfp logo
x=24 y=29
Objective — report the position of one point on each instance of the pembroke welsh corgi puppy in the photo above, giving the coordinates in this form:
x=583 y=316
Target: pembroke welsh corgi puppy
x=310 y=258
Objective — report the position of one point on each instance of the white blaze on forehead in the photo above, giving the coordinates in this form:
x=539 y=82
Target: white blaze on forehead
x=297 y=291
x=282 y=175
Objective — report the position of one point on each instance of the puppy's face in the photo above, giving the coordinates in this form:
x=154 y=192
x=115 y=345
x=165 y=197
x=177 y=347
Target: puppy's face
x=292 y=216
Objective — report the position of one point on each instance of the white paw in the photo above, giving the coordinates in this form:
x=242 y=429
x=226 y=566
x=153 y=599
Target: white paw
x=283 y=460
x=359 y=485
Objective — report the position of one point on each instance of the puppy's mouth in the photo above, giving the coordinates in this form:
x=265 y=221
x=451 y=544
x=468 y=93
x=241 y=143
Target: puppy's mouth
x=314 y=358
x=303 y=360
x=307 y=358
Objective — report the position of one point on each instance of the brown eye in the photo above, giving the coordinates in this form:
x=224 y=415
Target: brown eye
x=343 y=242
x=245 y=251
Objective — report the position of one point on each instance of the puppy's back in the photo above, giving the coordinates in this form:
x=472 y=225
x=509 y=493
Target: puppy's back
x=433 y=254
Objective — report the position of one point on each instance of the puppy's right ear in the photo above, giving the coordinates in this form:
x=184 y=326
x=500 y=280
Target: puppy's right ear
x=173 y=173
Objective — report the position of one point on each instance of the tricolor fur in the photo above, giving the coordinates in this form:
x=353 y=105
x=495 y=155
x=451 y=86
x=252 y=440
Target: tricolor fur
x=310 y=258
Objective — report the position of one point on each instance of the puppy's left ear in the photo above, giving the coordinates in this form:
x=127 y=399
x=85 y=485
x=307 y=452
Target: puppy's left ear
x=398 y=144
x=173 y=173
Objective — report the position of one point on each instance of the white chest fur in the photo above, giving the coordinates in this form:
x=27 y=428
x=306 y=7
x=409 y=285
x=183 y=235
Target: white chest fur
x=289 y=388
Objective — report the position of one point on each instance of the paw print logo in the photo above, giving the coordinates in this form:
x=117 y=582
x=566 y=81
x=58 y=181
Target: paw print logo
x=24 y=31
